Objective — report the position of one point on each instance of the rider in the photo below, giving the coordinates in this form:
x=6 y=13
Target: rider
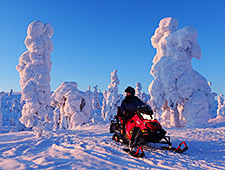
x=130 y=104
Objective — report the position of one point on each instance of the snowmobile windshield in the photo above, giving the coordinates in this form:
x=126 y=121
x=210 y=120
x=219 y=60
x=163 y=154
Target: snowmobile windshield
x=146 y=116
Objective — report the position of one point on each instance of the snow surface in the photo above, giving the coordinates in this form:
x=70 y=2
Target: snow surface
x=90 y=147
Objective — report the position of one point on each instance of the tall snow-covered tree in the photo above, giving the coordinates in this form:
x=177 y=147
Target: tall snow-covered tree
x=72 y=106
x=178 y=88
x=111 y=98
x=34 y=68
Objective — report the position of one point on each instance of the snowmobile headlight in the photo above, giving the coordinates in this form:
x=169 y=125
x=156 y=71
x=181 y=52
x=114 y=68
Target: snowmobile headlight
x=148 y=117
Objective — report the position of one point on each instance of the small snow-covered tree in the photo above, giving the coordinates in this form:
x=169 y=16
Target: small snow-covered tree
x=177 y=88
x=221 y=105
x=141 y=95
x=96 y=107
x=93 y=96
x=220 y=100
x=111 y=98
x=138 y=90
x=88 y=92
x=104 y=105
x=34 y=68
x=95 y=99
x=11 y=104
x=73 y=107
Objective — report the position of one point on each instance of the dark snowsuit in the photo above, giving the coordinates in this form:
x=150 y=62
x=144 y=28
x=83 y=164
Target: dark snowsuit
x=129 y=106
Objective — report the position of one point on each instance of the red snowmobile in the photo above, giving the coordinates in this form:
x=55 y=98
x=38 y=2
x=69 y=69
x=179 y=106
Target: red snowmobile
x=139 y=130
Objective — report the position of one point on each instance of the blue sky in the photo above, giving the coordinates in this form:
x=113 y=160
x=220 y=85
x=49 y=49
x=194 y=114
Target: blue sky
x=94 y=37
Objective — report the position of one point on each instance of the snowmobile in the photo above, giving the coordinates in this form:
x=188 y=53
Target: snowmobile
x=140 y=130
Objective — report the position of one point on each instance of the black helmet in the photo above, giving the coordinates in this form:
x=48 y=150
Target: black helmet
x=130 y=90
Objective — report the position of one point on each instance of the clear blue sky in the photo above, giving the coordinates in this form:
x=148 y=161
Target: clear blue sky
x=94 y=37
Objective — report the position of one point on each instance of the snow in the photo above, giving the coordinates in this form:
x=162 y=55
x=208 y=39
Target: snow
x=90 y=147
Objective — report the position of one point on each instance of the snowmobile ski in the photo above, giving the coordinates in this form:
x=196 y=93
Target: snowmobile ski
x=136 y=154
x=178 y=149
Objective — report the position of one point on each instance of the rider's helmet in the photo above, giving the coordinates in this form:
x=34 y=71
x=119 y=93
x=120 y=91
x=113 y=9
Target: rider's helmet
x=130 y=90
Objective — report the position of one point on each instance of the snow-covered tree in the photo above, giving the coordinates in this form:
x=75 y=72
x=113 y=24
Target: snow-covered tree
x=95 y=99
x=141 y=95
x=100 y=98
x=138 y=89
x=11 y=102
x=220 y=100
x=104 y=105
x=12 y=106
x=73 y=107
x=88 y=92
x=34 y=68
x=96 y=107
x=177 y=87
x=221 y=105
x=93 y=96
x=111 y=98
